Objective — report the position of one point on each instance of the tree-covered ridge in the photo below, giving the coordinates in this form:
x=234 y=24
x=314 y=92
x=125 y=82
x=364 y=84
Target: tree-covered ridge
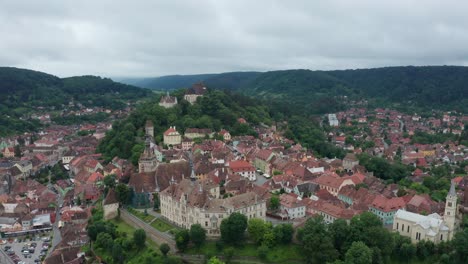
x=216 y=110
x=23 y=92
x=320 y=91
x=21 y=87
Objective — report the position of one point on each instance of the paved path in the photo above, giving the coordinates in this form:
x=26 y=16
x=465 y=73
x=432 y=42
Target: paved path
x=151 y=232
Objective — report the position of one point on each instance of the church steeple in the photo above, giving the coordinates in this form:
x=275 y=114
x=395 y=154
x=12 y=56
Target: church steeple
x=451 y=209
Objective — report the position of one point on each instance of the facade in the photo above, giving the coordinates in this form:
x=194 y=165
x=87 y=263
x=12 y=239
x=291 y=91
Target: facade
x=148 y=161
x=243 y=168
x=292 y=206
x=172 y=137
x=192 y=133
x=194 y=202
x=168 y=101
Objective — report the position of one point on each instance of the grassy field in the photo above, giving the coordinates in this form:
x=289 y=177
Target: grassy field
x=279 y=254
x=162 y=225
x=147 y=218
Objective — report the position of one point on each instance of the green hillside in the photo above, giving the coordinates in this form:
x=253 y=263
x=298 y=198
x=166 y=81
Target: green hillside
x=23 y=92
x=313 y=92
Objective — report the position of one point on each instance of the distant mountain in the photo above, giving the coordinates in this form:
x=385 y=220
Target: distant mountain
x=319 y=91
x=228 y=80
x=169 y=82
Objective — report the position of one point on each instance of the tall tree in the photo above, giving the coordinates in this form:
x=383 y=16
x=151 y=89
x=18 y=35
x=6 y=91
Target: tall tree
x=257 y=229
x=316 y=242
x=197 y=234
x=358 y=253
x=182 y=239
x=233 y=228
x=139 y=238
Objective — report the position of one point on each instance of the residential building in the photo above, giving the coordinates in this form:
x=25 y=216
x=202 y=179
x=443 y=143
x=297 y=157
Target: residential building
x=226 y=135
x=292 y=206
x=386 y=208
x=243 y=168
x=262 y=159
x=172 y=137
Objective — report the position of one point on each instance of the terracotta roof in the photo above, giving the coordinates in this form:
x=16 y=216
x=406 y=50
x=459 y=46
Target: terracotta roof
x=388 y=205
x=240 y=165
x=111 y=197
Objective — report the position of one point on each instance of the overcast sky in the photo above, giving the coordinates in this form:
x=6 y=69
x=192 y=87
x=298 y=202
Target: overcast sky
x=153 y=38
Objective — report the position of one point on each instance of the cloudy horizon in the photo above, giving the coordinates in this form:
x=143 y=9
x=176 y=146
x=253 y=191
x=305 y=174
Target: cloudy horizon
x=155 y=38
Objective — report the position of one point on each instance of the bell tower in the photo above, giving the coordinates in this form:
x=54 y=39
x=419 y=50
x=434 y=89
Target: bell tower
x=148 y=161
x=451 y=210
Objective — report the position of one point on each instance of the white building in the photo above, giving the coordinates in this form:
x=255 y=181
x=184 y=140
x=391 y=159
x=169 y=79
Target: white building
x=332 y=120
x=291 y=206
x=194 y=202
x=172 y=137
x=432 y=227
x=243 y=168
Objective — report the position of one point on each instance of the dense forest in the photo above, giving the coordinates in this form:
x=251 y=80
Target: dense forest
x=23 y=91
x=314 y=92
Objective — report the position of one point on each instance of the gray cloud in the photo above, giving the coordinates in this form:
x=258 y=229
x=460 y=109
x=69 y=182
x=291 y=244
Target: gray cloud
x=151 y=38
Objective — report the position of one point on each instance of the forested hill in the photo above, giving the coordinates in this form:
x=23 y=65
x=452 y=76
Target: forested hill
x=227 y=80
x=23 y=91
x=21 y=87
x=318 y=91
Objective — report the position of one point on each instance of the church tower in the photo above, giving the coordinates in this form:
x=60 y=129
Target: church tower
x=148 y=161
x=451 y=210
x=149 y=129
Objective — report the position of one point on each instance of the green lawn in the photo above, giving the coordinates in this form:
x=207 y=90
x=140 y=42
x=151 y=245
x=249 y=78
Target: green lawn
x=162 y=225
x=145 y=217
x=279 y=254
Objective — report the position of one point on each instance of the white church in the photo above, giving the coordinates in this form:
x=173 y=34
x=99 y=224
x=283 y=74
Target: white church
x=431 y=227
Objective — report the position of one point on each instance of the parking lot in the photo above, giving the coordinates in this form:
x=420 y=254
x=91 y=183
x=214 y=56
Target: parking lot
x=27 y=251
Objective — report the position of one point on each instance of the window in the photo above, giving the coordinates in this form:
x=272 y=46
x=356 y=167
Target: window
x=206 y=223
x=397 y=226
x=441 y=237
x=450 y=204
x=403 y=227
x=407 y=229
